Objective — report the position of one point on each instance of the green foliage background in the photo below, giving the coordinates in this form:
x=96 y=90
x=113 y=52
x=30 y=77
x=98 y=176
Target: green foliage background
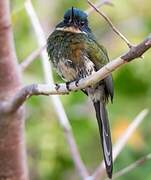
x=48 y=153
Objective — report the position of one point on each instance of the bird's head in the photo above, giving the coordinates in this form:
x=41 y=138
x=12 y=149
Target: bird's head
x=75 y=21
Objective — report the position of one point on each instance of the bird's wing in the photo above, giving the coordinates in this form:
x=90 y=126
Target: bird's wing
x=98 y=55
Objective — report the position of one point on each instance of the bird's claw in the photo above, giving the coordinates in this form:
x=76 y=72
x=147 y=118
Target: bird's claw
x=67 y=86
x=76 y=83
x=57 y=86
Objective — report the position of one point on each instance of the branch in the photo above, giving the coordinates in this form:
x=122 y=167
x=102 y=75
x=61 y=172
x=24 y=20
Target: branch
x=98 y=4
x=121 y=142
x=31 y=58
x=111 y=24
x=132 y=166
x=139 y=50
x=62 y=117
x=23 y=94
x=12 y=147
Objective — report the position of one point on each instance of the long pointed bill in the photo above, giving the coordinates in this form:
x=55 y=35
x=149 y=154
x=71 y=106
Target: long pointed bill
x=72 y=15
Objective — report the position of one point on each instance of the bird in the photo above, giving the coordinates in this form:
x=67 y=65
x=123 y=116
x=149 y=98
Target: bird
x=75 y=54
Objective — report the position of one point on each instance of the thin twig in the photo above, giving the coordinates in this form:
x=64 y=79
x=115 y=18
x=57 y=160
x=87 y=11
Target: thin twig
x=62 y=117
x=132 y=166
x=111 y=24
x=31 y=58
x=121 y=142
x=98 y=4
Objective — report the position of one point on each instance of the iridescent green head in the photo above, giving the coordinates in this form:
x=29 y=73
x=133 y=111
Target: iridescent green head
x=75 y=20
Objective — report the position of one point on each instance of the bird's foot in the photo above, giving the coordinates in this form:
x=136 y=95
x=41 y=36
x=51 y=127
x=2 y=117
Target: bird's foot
x=67 y=85
x=77 y=82
x=57 y=86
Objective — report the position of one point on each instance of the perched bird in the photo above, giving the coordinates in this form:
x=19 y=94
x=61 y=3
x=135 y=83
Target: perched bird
x=75 y=53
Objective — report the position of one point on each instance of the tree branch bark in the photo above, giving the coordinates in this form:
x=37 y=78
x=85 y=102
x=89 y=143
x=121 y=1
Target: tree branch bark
x=12 y=150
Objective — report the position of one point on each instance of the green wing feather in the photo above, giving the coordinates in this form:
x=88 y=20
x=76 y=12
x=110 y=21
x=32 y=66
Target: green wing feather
x=98 y=55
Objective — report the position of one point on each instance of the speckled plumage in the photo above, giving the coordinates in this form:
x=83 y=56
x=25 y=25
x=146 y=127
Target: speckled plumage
x=75 y=54
x=75 y=50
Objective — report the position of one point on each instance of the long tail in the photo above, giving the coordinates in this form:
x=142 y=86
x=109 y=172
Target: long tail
x=102 y=118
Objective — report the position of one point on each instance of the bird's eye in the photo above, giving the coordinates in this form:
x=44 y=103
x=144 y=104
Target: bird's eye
x=66 y=20
x=82 y=23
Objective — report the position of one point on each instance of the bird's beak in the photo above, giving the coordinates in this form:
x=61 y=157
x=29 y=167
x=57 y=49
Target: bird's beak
x=73 y=23
x=72 y=15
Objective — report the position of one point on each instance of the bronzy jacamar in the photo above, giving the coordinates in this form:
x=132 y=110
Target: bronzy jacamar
x=75 y=53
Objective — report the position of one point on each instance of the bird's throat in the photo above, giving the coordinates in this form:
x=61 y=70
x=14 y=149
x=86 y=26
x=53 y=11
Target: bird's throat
x=70 y=29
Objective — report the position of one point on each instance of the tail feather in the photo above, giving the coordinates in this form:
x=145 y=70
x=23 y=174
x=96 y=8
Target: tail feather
x=104 y=129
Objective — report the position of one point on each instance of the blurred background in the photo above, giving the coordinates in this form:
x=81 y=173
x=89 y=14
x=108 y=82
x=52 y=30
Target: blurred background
x=48 y=152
